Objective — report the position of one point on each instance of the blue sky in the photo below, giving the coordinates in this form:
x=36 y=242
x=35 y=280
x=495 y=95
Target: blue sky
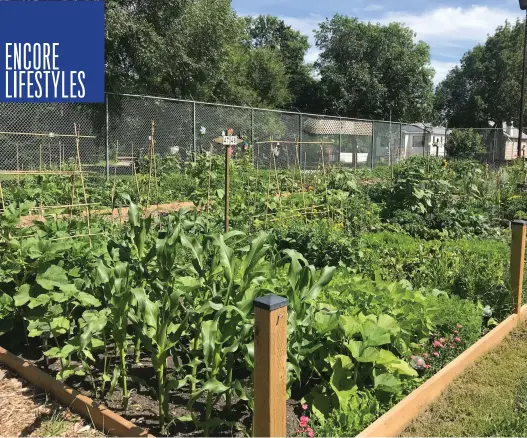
x=450 y=27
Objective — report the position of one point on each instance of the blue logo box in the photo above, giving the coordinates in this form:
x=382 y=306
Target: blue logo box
x=52 y=51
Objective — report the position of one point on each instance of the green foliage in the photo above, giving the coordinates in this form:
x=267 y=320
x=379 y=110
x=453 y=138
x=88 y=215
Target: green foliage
x=389 y=70
x=464 y=143
x=471 y=93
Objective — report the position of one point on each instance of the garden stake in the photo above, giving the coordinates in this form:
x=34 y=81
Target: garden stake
x=277 y=182
x=268 y=189
x=150 y=153
x=517 y=261
x=210 y=173
x=2 y=196
x=79 y=168
x=270 y=366
x=227 y=185
x=302 y=188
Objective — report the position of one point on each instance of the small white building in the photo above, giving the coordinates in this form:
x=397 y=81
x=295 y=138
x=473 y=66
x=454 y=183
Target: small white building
x=422 y=140
x=510 y=142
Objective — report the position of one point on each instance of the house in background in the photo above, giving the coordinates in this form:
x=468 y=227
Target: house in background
x=422 y=140
x=507 y=146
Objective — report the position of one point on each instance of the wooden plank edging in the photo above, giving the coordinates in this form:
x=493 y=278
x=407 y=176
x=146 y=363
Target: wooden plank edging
x=397 y=419
x=99 y=415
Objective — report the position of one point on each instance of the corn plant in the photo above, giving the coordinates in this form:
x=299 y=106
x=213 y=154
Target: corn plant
x=157 y=319
x=117 y=281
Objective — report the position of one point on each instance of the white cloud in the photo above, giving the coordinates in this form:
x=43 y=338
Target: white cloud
x=373 y=8
x=450 y=31
x=450 y=25
x=442 y=68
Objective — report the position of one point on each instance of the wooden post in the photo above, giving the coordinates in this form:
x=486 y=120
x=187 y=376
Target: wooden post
x=270 y=366
x=517 y=261
x=227 y=185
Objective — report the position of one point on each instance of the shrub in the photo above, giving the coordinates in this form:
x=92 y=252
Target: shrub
x=464 y=143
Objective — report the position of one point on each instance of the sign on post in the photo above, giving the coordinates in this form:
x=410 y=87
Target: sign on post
x=228 y=140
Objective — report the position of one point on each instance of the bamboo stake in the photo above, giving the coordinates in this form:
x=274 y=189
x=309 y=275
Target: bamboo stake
x=150 y=149
x=36 y=172
x=134 y=173
x=277 y=181
x=79 y=164
x=45 y=134
x=325 y=181
x=114 y=180
x=2 y=196
x=302 y=188
x=268 y=189
x=210 y=177
x=294 y=142
x=17 y=164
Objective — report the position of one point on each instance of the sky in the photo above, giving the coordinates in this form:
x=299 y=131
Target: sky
x=451 y=28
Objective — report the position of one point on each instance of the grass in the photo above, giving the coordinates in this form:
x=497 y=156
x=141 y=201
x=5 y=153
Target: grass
x=489 y=399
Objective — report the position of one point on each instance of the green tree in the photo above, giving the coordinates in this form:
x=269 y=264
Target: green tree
x=266 y=31
x=486 y=84
x=196 y=50
x=173 y=47
x=366 y=69
x=464 y=143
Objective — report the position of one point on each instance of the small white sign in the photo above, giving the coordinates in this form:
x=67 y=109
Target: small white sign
x=229 y=140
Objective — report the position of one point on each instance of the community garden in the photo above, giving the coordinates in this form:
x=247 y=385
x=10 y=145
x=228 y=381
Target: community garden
x=132 y=291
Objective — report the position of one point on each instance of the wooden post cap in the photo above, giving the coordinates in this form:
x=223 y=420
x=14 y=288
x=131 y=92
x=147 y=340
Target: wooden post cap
x=270 y=302
x=519 y=222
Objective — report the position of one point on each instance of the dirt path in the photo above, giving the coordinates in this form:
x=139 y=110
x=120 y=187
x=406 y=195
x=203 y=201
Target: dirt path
x=484 y=398
x=116 y=213
x=26 y=411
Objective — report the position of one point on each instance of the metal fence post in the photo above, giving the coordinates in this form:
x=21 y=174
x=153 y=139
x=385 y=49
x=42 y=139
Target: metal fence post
x=194 y=142
x=372 y=145
x=300 y=126
x=402 y=146
x=107 y=141
x=340 y=137
x=252 y=126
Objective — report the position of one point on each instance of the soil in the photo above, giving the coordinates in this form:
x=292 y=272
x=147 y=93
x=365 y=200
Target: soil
x=143 y=406
x=117 y=213
x=26 y=411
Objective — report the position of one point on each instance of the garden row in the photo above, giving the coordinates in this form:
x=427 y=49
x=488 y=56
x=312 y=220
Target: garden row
x=387 y=282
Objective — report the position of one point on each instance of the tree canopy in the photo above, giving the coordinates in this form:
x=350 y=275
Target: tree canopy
x=486 y=85
x=200 y=49
x=366 y=69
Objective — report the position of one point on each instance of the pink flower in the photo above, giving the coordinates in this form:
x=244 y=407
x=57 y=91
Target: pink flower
x=412 y=356
x=458 y=339
x=459 y=326
x=425 y=355
x=305 y=407
x=310 y=432
x=436 y=354
x=303 y=421
x=437 y=344
x=451 y=346
x=456 y=332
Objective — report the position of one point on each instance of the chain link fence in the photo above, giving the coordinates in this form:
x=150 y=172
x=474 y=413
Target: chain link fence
x=31 y=135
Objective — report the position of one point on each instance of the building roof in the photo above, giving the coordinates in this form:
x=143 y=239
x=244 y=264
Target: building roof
x=514 y=133
x=420 y=128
